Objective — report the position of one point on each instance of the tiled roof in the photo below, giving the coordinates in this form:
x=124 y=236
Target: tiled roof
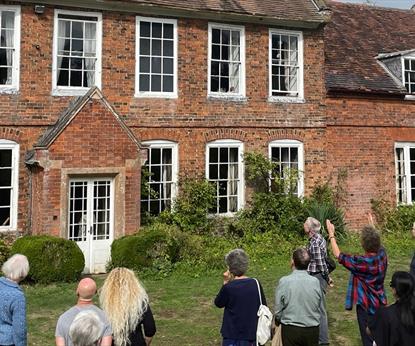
x=294 y=10
x=356 y=35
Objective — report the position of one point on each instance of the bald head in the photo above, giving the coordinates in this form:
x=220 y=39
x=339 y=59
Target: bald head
x=86 y=289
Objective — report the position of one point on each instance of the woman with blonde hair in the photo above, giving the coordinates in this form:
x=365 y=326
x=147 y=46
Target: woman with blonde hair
x=125 y=301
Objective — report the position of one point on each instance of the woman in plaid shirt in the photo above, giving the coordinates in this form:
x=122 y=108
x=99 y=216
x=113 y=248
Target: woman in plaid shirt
x=367 y=276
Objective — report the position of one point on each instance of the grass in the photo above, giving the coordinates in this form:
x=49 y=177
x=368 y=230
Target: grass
x=183 y=302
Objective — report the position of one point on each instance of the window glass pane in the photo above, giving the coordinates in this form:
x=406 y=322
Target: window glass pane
x=155 y=83
x=214 y=69
x=213 y=171
x=145 y=29
x=5 y=177
x=155 y=173
x=168 y=84
x=233 y=154
x=76 y=78
x=155 y=156
x=77 y=29
x=168 y=48
x=90 y=31
x=412 y=154
x=168 y=31
x=213 y=155
x=7 y=20
x=223 y=205
x=5 y=158
x=156 y=47
x=224 y=155
x=223 y=171
x=144 y=46
x=233 y=204
x=226 y=37
x=215 y=36
x=155 y=65
x=144 y=65
x=5 y=197
x=168 y=66
x=63 y=77
x=167 y=156
x=214 y=84
x=144 y=83
x=156 y=30
x=4 y=216
x=215 y=51
x=235 y=38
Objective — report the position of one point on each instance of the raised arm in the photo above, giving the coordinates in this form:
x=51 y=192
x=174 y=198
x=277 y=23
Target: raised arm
x=334 y=247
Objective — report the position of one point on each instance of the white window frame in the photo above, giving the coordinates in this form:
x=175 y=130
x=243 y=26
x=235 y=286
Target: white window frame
x=10 y=145
x=406 y=146
x=292 y=143
x=228 y=95
x=299 y=98
x=229 y=143
x=403 y=58
x=68 y=90
x=165 y=144
x=156 y=94
x=14 y=87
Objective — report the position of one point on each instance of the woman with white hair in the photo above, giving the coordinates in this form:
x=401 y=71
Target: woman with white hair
x=239 y=296
x=86 y=329
x=126 y=304
x=13 y=330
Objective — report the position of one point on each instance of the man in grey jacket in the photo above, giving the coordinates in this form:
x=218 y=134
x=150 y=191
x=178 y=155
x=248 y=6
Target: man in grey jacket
x=298 y=299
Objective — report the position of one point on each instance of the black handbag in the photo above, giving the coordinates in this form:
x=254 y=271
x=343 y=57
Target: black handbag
x=331 y=263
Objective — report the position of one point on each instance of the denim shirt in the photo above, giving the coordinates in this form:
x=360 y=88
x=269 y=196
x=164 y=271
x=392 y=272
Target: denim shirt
x=13 y=330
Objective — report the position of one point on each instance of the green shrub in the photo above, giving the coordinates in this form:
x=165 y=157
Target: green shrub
x=4 y=252
x=156 y=247
x=51 y=259
x=396 y=220
x=191 y=207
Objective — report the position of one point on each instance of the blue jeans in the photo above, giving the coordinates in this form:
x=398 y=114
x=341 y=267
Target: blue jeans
x=231 y=342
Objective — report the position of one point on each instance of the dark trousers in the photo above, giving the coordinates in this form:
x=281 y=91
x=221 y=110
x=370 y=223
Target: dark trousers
x=363 y=318
x=299 y=336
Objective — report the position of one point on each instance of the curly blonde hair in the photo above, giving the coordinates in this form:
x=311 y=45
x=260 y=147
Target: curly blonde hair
x=124 y=300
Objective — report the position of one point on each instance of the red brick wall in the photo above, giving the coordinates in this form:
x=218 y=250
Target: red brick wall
x=361 y=135
x=192 y=119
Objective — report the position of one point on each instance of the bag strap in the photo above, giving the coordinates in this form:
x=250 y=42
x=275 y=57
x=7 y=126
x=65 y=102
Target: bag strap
x=259 y=291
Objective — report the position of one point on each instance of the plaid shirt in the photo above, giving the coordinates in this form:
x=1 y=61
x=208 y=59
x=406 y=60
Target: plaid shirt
x=366 y=280
x=317 y=249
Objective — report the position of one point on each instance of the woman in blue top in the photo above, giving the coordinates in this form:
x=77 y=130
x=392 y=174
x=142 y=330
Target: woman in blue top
x=13 y=328
x=239 y=296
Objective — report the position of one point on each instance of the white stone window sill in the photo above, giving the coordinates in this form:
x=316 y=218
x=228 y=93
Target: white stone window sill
x=410 y=97
x=227 y=97
x=156 y=95
x=8 y=90
x=286 y=99
x=70 y=91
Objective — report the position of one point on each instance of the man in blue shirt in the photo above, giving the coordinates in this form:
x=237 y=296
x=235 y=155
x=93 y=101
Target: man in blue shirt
x=297 y=303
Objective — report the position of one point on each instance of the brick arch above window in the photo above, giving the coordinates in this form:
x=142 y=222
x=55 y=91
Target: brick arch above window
x=10 y=133
x=219 y=134
x=282 y=134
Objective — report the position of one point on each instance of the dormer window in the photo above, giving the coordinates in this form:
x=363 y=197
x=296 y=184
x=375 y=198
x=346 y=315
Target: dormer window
x=409 y=74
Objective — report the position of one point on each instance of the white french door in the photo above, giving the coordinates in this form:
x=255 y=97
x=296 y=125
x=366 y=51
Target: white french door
x=91 y=220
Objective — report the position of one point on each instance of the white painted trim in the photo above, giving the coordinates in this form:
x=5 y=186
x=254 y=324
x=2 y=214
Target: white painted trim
x=407 y=169
x=175 y=160
x=152 y=94
x=292 y=143
x=76 y=91
x=230 y=143
x=10 y=145
x=299 y=98
x=242 y=92
x=14 y=87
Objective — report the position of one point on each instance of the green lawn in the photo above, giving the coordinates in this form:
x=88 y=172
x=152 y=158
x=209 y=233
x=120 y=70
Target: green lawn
x=183 y=304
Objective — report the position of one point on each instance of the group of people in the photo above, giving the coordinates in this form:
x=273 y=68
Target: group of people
x=300 y=304
x=125 y=317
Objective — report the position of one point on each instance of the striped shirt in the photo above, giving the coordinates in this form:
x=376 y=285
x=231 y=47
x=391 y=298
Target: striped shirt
x=367 y=275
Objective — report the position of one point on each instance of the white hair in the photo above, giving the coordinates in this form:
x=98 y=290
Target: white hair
x=313 y=224
x=16 y=267
x=86 y=329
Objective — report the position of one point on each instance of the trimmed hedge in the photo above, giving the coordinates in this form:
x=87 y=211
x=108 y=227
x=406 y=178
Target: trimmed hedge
x=159 y=247
x=51 y=259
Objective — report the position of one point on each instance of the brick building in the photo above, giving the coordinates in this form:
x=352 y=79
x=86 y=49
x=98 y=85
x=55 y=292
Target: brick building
x=370 y=81
x=91 y=90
